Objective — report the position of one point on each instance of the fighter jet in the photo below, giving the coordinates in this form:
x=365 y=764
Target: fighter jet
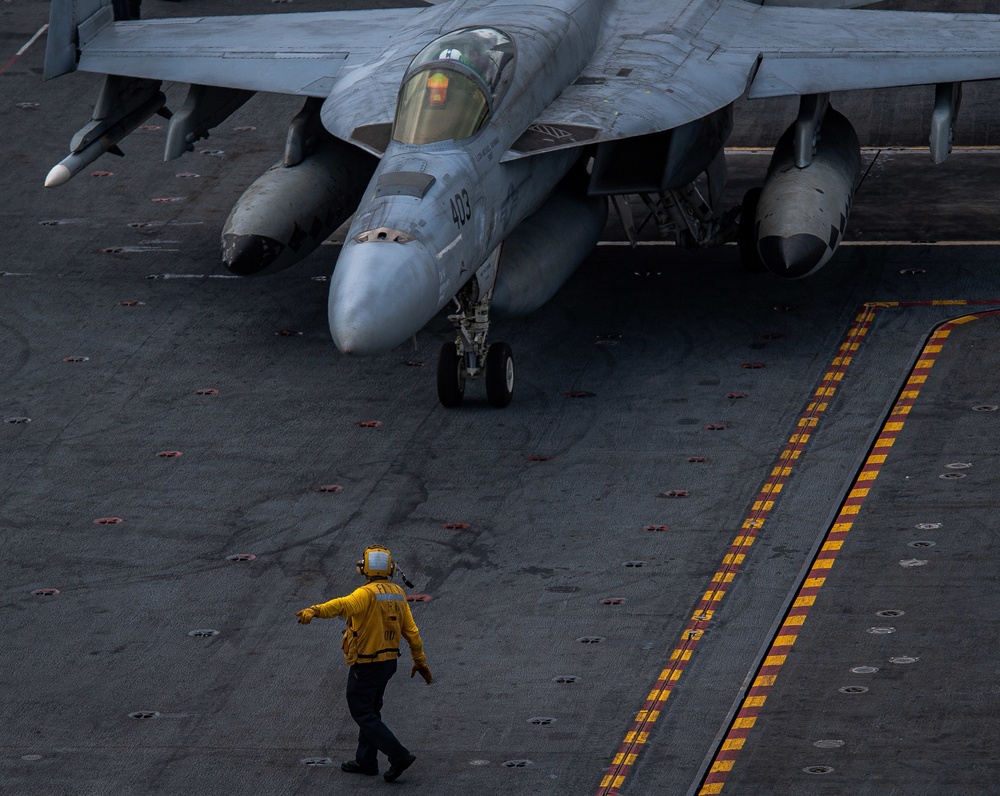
x=477 y=142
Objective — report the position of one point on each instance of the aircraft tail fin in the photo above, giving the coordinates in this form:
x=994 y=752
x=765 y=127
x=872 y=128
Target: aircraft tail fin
x=72 y=23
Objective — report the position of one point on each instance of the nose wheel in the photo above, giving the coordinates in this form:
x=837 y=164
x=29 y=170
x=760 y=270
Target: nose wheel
x=497 y=371
x=468 y=356
x=450 y=376
x=499 y=375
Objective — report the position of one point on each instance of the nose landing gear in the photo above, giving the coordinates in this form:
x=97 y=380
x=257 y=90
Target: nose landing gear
x=450 y=376
x=497 y=371
x=468 y=356
x=499 y=375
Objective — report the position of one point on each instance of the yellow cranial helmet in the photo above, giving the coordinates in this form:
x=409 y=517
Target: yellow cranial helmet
x=377 y=562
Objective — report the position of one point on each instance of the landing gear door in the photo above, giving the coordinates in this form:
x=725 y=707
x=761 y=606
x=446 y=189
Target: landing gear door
x=486 y=276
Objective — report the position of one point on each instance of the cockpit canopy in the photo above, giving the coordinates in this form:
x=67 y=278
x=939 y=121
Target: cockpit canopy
x=453 y=85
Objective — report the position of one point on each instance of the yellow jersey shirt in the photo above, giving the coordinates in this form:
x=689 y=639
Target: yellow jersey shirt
x=377 y=616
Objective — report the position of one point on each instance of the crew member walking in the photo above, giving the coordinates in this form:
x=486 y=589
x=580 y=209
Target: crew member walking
x=377 y=615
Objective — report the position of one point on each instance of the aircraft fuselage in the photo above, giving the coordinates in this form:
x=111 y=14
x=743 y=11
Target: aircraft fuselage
x=434 y=212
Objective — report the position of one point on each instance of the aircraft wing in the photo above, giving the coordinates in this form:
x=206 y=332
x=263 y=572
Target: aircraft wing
x=297 y=53
x=807 y=52
x=652 y=73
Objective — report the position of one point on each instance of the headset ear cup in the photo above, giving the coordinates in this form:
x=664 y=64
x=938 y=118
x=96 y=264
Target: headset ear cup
x=360 y=567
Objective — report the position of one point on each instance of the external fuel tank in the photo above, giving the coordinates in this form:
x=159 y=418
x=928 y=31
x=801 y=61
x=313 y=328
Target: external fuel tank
x=802 y=212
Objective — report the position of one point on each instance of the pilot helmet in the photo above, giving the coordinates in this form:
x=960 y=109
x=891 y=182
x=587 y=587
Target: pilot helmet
x=450 y=53
x=376 y=562
x=437 y=90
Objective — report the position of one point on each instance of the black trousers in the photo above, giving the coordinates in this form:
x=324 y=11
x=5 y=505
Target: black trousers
x=366 y=684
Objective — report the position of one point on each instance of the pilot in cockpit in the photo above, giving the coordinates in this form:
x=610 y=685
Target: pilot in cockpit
x=452 y=86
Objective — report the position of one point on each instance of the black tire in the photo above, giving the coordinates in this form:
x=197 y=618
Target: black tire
x=450 y=379
x=499 y=375
x=746 y=236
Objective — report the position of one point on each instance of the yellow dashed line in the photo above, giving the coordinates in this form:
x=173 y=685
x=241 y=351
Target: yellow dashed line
x=720 y=768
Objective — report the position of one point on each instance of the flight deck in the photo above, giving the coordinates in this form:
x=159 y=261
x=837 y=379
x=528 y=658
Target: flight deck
x=733 y=534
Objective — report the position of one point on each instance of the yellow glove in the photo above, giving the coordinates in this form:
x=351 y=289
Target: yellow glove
x=424 y=670
x=306 y=615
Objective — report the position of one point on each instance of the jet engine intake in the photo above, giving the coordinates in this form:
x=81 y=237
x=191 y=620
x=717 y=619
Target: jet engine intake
x=802 y=212
x=288 y=211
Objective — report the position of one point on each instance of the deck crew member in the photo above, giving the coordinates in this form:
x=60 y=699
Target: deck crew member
x=377 y=615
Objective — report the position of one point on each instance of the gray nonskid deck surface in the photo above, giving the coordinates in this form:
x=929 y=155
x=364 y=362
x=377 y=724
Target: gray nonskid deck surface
x=891 y=685
x=656 y=335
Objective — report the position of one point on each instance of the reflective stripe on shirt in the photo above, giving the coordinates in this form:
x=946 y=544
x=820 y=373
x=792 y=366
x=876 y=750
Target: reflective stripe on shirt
x=388 y=596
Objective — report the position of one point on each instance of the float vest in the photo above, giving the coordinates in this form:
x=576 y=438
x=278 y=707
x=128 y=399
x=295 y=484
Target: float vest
x=377 y=616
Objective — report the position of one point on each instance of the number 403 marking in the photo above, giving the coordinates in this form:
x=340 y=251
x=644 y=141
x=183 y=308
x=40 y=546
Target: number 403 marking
x=461 y=208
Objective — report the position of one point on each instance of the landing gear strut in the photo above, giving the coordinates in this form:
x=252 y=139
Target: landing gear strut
x=469 y=357
x=684 y=215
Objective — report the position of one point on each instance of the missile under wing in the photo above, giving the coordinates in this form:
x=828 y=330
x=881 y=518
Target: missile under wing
x=451 y=129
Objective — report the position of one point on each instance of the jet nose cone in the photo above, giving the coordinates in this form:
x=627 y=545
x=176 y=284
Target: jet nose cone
x=246 y=255
x=381 y=294
x=795 y=255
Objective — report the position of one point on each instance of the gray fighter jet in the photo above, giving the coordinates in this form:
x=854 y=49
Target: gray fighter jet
x=476 y=142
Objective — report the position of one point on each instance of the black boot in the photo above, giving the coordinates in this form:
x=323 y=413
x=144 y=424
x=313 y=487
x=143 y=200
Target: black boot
x=398 y=768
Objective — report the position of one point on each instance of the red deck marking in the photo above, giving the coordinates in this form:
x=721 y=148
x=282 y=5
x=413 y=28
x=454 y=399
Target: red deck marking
x=24 y=48
x=701 y=619
x=728 y=751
